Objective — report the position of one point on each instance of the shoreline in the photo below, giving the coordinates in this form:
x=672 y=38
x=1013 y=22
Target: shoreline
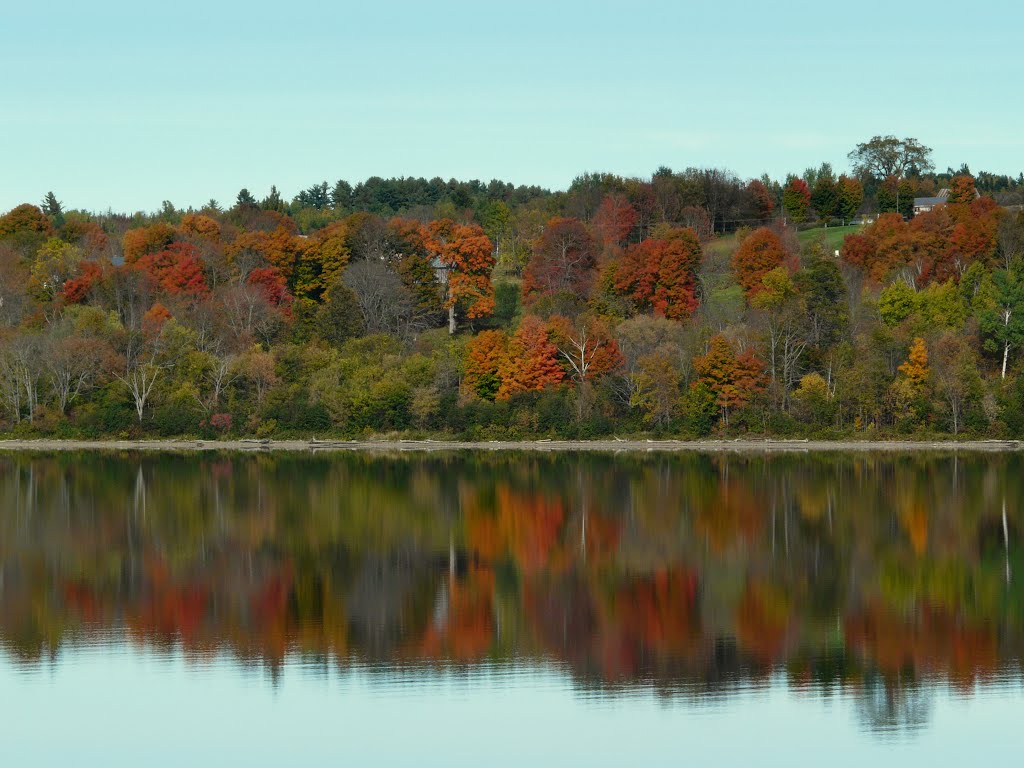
x=429 y=446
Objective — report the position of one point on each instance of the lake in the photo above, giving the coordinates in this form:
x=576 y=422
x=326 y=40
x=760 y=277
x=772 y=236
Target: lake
x=510 y=608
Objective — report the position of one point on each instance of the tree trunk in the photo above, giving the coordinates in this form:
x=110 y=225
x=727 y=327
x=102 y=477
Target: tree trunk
x=1006 y=542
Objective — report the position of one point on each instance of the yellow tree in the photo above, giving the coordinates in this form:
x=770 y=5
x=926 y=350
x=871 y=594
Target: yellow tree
x=322 y=258
x=916 y=367
x=910 y=390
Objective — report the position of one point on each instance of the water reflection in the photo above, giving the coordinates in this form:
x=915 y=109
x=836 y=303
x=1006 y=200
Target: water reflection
x=886 y=579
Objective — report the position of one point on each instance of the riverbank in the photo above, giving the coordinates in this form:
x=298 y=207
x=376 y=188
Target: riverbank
x=318 y=446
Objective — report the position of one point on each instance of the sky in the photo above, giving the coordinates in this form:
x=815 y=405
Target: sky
x=121 y=105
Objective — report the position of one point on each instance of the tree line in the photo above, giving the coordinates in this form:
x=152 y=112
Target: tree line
x=621 y=305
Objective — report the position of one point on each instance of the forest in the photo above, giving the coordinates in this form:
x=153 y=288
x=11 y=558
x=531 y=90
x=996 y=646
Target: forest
x=686 y=304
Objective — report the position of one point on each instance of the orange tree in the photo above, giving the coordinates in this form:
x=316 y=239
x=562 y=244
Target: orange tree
x=759 y=253
x=468 y=255
x=733 y=378
x=532 y=361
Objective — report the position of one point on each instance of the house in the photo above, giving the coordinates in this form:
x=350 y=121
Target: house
x=925 y=204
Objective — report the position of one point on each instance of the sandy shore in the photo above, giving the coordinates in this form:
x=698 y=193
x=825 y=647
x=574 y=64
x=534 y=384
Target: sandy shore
x=318 y=446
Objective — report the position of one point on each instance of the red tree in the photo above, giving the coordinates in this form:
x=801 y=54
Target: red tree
x=562 y=262
x=761 y=202
x=659 y=274
x=615 y=219
x=77 y=289
x=175 y=270
x=274 y=287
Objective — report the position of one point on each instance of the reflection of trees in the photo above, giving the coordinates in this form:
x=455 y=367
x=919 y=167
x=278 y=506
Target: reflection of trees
x=893 y=706
x=689 y=574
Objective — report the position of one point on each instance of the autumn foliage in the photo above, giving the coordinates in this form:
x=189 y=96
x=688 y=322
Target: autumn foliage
x=277 y=248
x=563 y=261
x=761 y=202
x=659 y=274
x=733 y=377
x=962 y=190
x=198 y=225
x=468 y=254
x=614 y=220
x=141 y=241
x=485 y=358
x=759 y=253
x=531 y=362
x=796 y=199
x=175 y=270
x=24 y=218
x=77 y=289
x=272 y=284
x=934 y=246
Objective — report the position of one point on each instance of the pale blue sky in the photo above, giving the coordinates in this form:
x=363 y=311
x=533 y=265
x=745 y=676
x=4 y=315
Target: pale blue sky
x=125 y=104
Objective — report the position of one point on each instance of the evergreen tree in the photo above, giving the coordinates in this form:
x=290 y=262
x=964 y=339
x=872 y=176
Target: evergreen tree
x=272 y=202
x=341 y=195
x=52 y=206
x=245 y=199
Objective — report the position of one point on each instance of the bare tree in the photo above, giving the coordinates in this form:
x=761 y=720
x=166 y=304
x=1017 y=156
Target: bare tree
x=20 y=371
x=249 y=315
x=14 y=299
x=73 y=364
x=145 y=360
x=1011 y=238
x=218 y=375
x=257 y=366
x=386 y=304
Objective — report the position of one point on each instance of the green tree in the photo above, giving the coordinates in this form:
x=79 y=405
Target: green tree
x=896 y=303
x=825 y=197
x=885 y=156
x=823 y=296
x=656 y=387
x=53 y=208
x=796 y=199
x=849 y=196
x=1002 y=313
x=814 y=400
x=245 y=199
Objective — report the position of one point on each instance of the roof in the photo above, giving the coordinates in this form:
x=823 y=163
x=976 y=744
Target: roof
x=920 y=201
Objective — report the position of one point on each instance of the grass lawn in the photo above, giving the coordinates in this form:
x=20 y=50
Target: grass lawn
x=833 y=236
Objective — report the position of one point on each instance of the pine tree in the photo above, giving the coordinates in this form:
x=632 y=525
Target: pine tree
x=245 y=199
x=52 y=206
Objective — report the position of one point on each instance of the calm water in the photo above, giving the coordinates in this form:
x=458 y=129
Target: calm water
x=508 y=609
